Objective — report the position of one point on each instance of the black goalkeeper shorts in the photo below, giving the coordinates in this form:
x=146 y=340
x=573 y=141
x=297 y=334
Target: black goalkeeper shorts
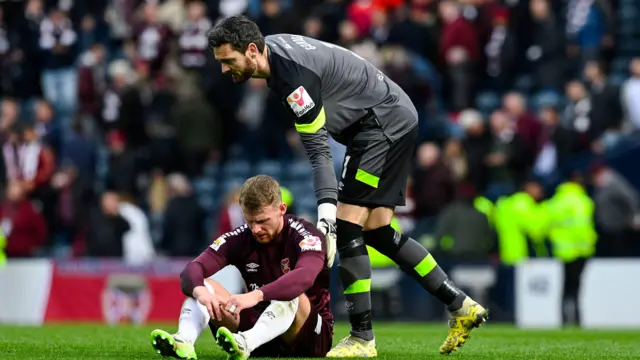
x=374 y=169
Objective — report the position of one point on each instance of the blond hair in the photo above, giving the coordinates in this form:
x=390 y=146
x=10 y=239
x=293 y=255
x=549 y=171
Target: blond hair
x=258 y=192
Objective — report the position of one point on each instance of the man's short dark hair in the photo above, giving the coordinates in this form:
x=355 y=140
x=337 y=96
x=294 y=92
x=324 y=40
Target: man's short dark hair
x=238 y=31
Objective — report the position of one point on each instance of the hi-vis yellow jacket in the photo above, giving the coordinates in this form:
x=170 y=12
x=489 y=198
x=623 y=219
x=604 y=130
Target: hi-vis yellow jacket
x=571 y=222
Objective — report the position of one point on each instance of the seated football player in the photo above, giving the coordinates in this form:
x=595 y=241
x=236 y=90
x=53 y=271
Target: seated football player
x=282 y=260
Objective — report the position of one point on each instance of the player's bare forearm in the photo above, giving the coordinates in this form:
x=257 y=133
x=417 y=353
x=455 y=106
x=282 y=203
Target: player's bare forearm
x=199 y=269
x=296 y=282
x=324 y=177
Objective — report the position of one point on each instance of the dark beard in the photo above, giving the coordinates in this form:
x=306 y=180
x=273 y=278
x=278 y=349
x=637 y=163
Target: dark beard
x=246 y=75
x=239 y=79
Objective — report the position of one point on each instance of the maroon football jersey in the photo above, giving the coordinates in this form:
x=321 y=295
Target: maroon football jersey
x=261 y=264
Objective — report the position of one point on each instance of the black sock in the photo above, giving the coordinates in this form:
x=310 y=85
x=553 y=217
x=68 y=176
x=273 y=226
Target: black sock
x=416 y=261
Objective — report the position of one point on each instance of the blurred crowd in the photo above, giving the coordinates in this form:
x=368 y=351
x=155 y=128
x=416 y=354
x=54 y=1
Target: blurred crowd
x=121 y=137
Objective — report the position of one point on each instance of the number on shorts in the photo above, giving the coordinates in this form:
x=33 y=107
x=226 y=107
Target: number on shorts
x=344 y=166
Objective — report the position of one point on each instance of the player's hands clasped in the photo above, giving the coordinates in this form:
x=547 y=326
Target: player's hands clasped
x=209 y=300
x=237 y=303
x=328 y=228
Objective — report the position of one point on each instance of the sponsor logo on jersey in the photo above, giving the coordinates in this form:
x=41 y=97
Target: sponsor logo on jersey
x=217 y=243
x=311 y=243
x=284 y=264
x=300 y=101
x=252 y=267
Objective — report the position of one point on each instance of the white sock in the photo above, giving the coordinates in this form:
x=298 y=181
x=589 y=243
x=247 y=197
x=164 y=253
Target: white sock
x=274 y=321
x=194 y=318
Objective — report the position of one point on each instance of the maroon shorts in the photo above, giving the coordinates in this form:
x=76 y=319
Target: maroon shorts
x=313 y=340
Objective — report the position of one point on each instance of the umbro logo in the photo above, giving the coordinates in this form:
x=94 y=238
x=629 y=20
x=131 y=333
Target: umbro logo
x=252 y=267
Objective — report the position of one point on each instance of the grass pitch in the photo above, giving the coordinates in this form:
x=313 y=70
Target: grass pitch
x=395 y=341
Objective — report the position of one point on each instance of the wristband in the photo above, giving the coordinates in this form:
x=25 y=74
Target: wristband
x=327 y=211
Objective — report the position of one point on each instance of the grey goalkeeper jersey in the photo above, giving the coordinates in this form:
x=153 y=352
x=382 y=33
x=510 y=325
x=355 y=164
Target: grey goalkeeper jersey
x=326 y=89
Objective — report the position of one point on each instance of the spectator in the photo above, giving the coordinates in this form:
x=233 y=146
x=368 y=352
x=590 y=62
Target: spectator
x=500 y=47
x=398 y=67
x=558 y=144
x=45 y=125
x=459 y=53
x=506 y=159
x=9 y=114
x=5 y=52
x=577 y=114
x=313 y=28
x=37 y=163
x=251 y=116
x=120 y=18
x=455 y=159
x=193 y=40
x=462 y=231
x=527 y=126
x=137 y=245
x=380 y=26
x=276 y=19
x=152 y=40
x=630 y=94
x=74 y=196
x=360 y=13
x=80 y=152
x=105 y=236
x=160 y=149
x=416 y=30
x=198 y=129
x=606 y=110
x=476 y=144
x=11 y=155
x=324 y=15
x=433 y=187
x=122 y=109
x=348 y=34
x=184 y=220
x=27 y=58
x=92 y=80
x=546 y=52
x=123 y=166
x=24 y=227
x=589 y=28
x=37 y=166
x=230 y=213
x=228 y=8
x=617 y=209
x=58 y=42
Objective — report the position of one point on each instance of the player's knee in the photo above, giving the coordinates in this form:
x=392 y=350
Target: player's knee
x=385 y=239
x=349 y=242
x=299 y=311
x=284 y=308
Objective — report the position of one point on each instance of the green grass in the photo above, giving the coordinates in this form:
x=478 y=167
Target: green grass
x=395 y=341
